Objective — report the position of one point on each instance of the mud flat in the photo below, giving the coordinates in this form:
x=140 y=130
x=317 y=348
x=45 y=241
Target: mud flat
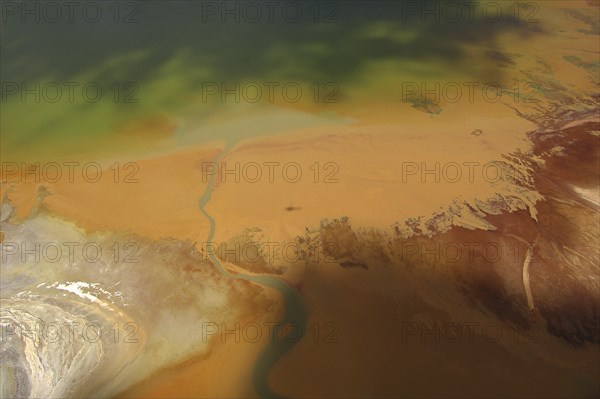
x=431 y=309
x=368 y=320
x=91 y=324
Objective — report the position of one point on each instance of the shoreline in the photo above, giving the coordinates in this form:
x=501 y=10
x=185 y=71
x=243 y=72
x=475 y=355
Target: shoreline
x=63 y=196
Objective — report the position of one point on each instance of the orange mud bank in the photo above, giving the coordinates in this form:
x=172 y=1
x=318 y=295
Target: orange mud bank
x=449 y=315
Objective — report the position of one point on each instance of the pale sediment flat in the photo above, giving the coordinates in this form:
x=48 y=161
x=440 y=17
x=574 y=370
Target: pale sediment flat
x=371 y=141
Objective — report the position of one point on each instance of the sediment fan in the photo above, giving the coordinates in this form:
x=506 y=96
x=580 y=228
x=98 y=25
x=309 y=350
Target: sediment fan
x=71 y=356
x=81 y=327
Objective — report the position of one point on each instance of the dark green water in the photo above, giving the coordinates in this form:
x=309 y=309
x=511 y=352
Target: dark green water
x=153 y=61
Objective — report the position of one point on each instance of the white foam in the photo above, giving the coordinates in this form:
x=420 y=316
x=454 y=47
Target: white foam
x=588 y=194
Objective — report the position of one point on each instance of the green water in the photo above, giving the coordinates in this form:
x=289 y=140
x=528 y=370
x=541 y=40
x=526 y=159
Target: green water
x=157 y=66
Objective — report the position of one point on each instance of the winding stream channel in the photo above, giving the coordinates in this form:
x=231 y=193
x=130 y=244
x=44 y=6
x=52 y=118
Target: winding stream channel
x=294 y=310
